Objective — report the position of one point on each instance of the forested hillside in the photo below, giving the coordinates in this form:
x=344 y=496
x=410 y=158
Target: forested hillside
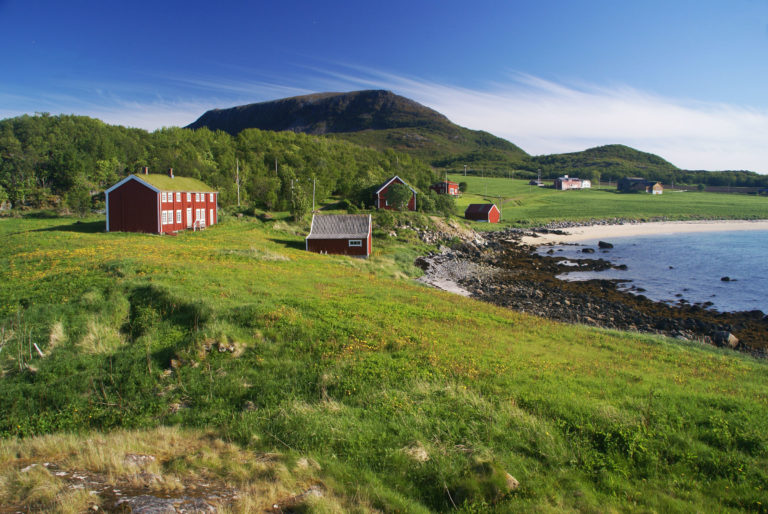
x=67 y=160
x=612 y=162
x=378 y=119
x=46 y=160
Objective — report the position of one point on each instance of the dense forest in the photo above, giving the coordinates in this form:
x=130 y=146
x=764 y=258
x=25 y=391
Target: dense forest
x=67 y=160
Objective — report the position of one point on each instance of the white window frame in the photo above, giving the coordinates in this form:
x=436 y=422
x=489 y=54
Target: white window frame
x=178 y=196
x=178 y=216
x=210 y=217
x=165 y=218
x=189 y=197
x=164 y=197
x=355 y=243
x=210 y=197
x=197 y=197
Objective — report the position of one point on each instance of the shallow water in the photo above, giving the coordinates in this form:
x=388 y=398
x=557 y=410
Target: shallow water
x=690 y=266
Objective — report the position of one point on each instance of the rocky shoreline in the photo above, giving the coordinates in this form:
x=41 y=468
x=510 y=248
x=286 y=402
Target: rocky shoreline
x=498 y=268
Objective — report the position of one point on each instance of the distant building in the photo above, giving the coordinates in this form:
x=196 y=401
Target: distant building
x=565 y=182
x=345 y=234
x=380 y=196
x=160 y=204
x=635 y=184
x=483 y=212
x=446 y=188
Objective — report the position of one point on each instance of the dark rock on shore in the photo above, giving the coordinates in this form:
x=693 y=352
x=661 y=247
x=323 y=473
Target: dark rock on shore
x=525 y=281
x=604 y=245
x=725 y=338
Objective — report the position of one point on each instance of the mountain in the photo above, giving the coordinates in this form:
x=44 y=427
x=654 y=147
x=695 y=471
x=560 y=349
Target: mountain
x=383 y=120
x=376 y=118
x=609 y=161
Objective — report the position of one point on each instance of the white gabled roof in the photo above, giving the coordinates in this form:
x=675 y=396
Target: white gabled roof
x=132 y=177
x=388 y=182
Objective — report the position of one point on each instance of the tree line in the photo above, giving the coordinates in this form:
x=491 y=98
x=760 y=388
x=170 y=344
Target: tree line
x=65 y=159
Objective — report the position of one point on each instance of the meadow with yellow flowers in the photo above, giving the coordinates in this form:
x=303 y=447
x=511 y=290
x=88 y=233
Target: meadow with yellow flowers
x=234 y=355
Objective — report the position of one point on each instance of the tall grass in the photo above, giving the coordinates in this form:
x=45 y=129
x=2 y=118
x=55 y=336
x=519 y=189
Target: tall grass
x=408 y=399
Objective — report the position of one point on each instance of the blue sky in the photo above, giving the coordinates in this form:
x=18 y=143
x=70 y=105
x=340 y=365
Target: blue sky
x=687 y=80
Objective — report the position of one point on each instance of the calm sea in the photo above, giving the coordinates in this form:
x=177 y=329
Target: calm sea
x=685 y=266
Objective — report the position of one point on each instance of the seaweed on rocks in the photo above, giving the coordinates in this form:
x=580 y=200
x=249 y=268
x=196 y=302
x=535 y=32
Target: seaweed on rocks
x=505 y=272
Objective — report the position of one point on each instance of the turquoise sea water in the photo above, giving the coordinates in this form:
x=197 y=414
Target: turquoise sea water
x=671 y=268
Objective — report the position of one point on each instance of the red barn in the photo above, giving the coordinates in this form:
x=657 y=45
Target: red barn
x=345 y=234
x=380 y=194
x=159 y=204
x=483 y=212
x=446 y=188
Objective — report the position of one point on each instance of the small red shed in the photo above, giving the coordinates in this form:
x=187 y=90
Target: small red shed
x=483 y=212
x=446 y=188
x=159 y=204
x=345 y=234
x=381 y=193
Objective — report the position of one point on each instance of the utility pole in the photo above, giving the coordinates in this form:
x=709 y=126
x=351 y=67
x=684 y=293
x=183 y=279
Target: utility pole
x=237 y=180
x=465 y=170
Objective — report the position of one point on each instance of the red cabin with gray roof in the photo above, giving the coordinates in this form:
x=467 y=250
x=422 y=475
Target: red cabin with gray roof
x=446 y=187
x=483 y=212
x=344 y=234
x=380 y=196
x=160 y=204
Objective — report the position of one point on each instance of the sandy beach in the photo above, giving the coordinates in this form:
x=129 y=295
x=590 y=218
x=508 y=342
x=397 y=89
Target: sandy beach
x=576 y=234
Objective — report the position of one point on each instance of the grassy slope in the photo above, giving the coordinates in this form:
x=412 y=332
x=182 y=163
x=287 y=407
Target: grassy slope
x=336 y=360
x=525 y=204
x=443 y=145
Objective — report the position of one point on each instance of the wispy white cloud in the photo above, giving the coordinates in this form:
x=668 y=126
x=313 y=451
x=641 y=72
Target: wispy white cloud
x=148 y=115
x=545 y=117
x=540 y=116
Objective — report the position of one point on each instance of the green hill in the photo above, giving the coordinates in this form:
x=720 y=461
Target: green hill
x=607 y=161
x=378 y=119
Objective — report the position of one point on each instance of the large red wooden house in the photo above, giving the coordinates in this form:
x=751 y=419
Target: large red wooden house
x=160 y=204
x=345 y=234
x=483 y=212
x=380 y=196
x=445 y=187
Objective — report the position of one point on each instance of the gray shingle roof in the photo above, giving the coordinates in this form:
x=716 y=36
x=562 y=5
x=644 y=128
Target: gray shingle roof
x=340 y=226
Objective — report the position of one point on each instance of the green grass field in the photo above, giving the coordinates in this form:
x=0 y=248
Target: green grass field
x=527 y=205
x=407 y=398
